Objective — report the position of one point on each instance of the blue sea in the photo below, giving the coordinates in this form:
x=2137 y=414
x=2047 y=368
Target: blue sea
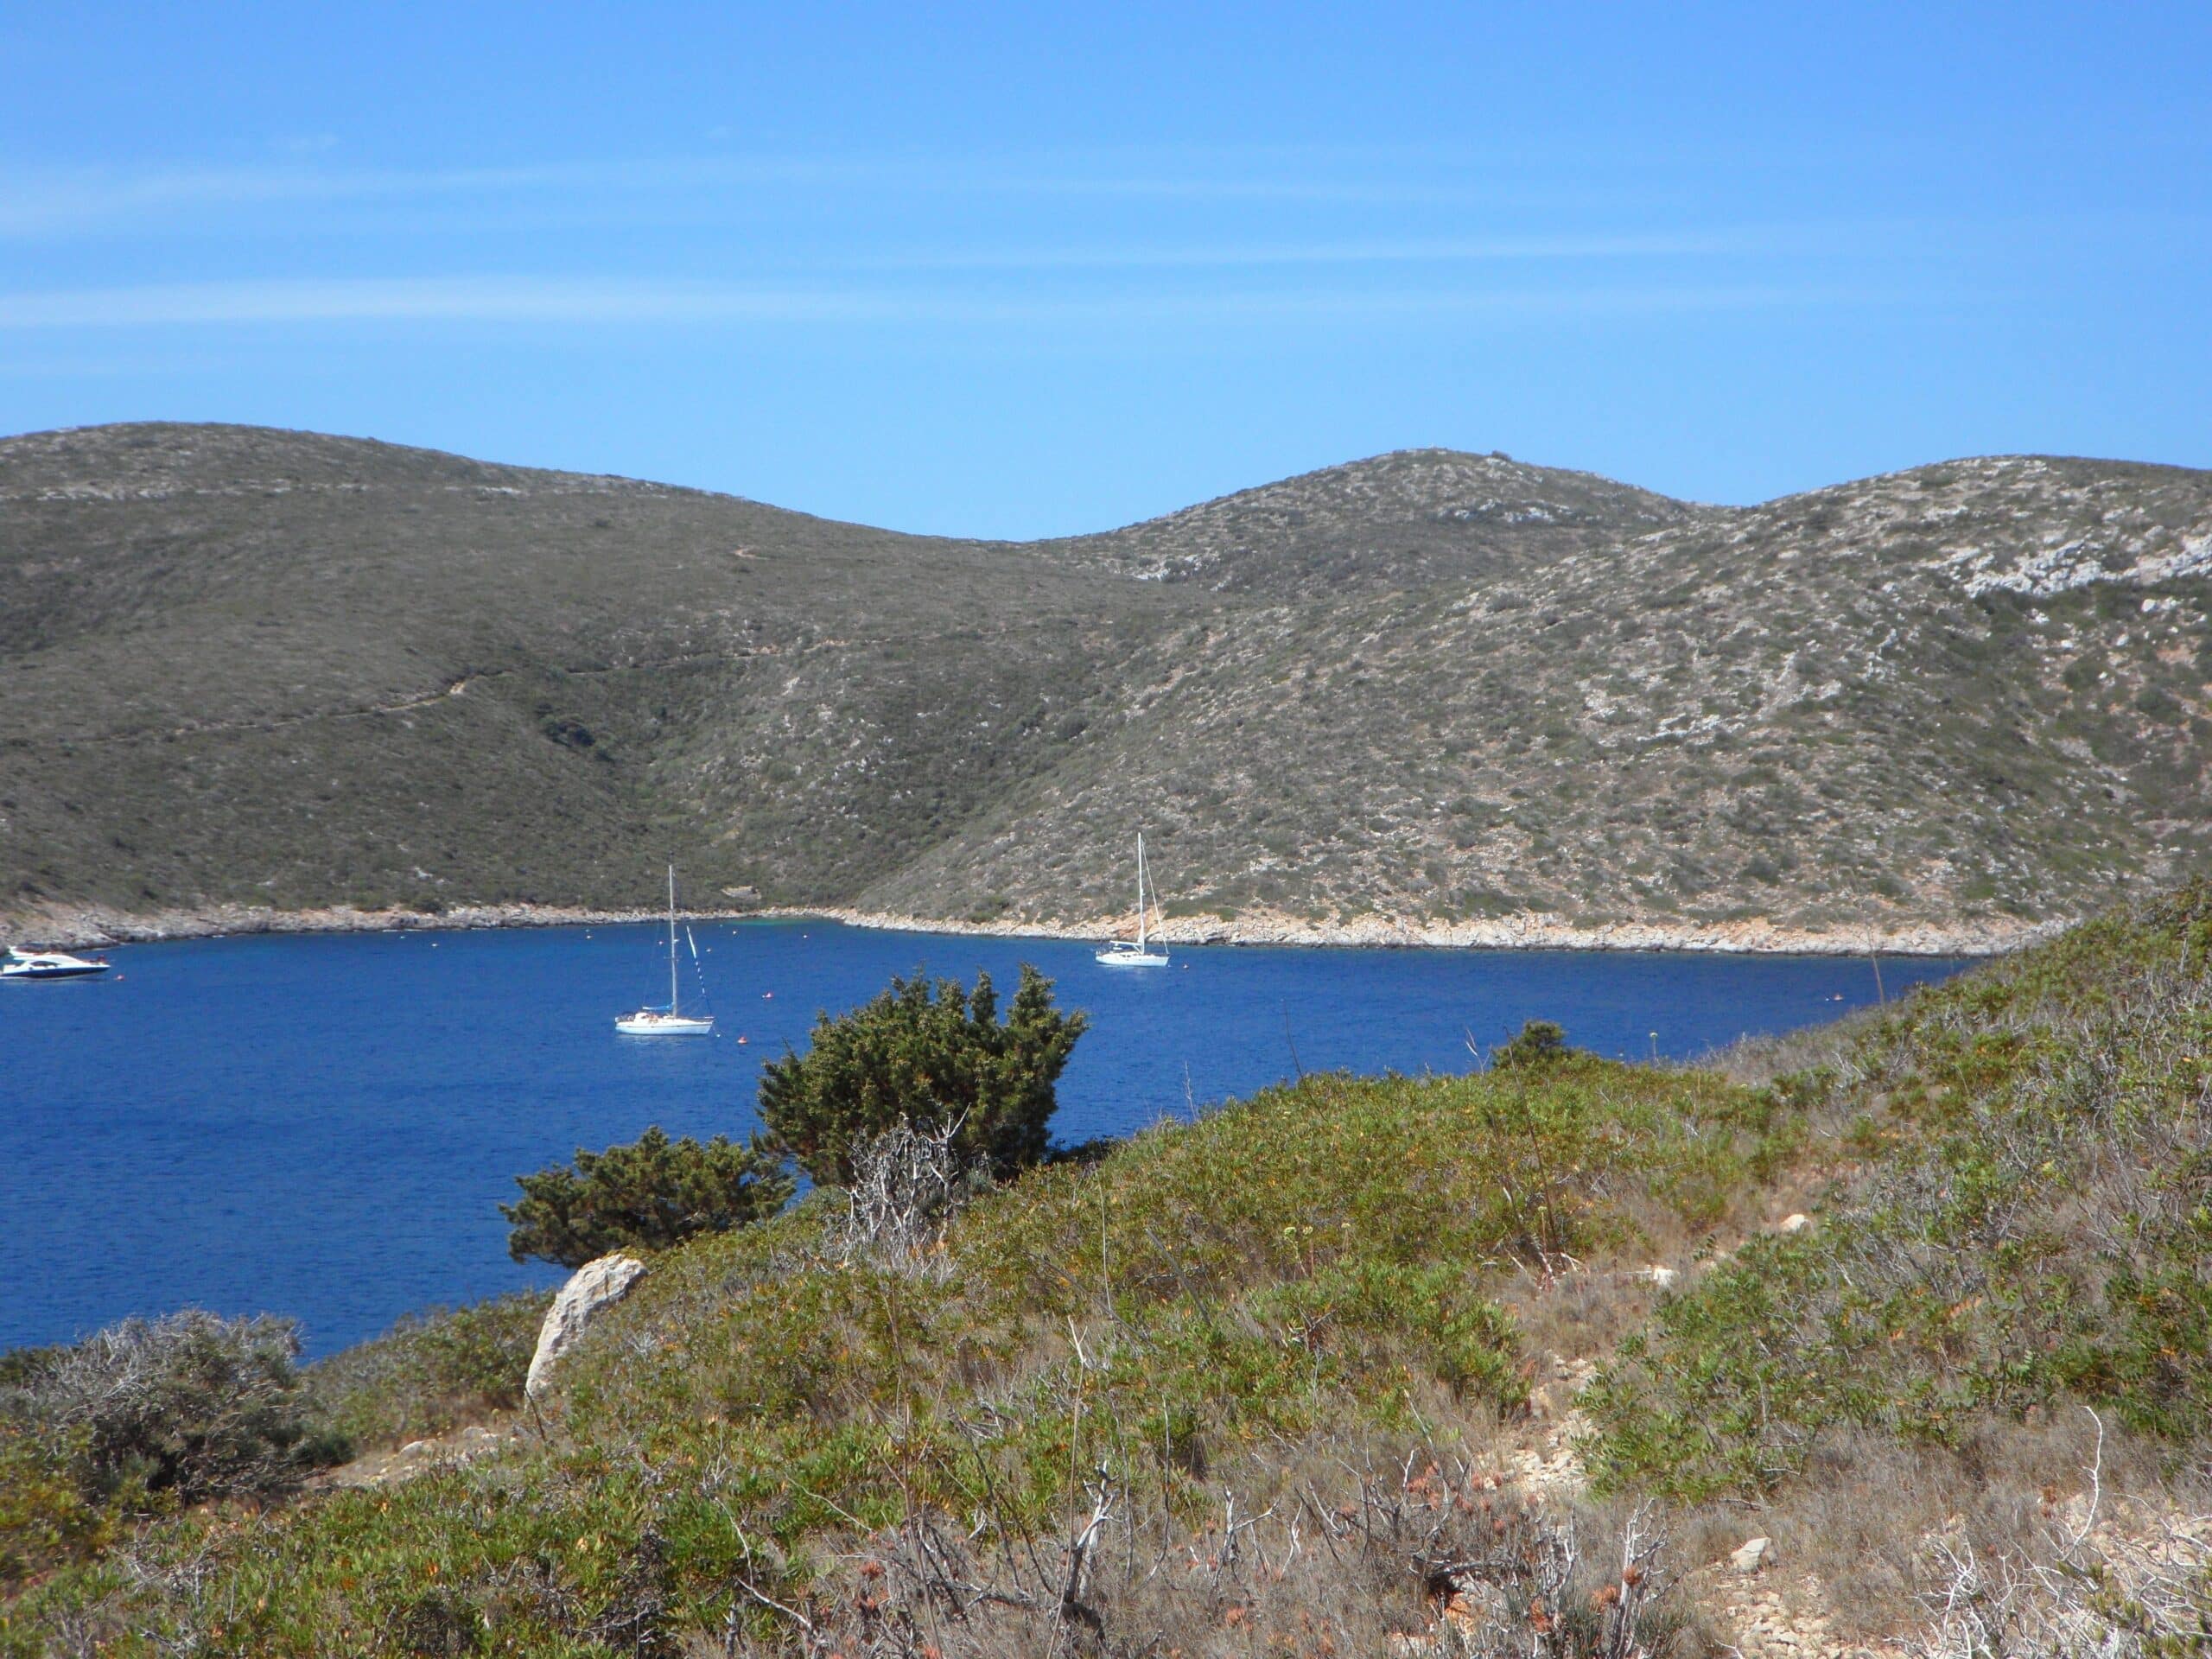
x=325 y=1125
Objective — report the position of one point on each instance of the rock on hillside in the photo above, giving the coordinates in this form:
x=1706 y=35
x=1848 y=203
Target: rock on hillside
x=590 y=1290
x=1424 y=691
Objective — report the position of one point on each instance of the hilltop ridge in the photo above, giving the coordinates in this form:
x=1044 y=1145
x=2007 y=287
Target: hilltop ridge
x=1411 y=514
x=1421 y=692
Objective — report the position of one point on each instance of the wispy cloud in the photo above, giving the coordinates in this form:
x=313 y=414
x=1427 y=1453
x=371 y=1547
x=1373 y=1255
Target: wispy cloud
x=49 y=202
x=1749 y=240
x=482 y=299
x=541 y=300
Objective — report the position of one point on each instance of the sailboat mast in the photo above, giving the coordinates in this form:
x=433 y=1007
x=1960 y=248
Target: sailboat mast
x=671 y=939
x=1140 y=892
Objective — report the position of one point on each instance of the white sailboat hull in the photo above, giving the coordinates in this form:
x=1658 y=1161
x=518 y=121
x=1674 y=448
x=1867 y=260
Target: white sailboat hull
x=652 y=1022
x=1128 y=956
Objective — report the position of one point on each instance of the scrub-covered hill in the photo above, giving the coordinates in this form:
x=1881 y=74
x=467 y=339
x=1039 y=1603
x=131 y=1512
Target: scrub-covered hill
x=1429 y=691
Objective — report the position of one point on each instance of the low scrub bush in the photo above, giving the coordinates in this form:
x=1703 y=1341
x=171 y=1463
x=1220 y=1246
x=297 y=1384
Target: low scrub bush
x=907 y=1184
x=1340 y=1548
x=144 y=1417
x=1480 y=1172
x=192 y=1406
x=47 y=1516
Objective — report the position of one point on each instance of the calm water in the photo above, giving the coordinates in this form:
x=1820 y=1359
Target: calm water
x=324 y=1126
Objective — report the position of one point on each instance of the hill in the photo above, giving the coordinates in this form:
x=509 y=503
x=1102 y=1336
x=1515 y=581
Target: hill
x=1429 y=691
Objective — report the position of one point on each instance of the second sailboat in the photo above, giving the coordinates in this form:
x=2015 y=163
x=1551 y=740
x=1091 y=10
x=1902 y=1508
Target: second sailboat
x=1143 y=953
x=670 y=1022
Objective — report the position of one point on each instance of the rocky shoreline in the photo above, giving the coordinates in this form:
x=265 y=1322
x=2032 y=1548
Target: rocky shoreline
x=1756 y=937
x=83 y=926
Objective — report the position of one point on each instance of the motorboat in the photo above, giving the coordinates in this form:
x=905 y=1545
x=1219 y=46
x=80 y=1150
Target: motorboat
x=49 y=964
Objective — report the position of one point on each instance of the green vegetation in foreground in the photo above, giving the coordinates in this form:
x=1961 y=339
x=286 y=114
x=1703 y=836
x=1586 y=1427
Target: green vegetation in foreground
x=1318 y=1306
x=1305 y=1277
x=151 y=1417
x=429 y=1374
x=2034 y=1225
x=144 y=1418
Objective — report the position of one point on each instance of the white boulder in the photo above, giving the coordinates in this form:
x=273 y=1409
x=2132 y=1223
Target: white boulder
x=1752 y=1555
x=591 y=1288
x=1796 y=1224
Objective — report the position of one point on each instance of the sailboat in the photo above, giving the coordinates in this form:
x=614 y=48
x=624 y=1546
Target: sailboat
x=670 y=1022
x=1143 y=953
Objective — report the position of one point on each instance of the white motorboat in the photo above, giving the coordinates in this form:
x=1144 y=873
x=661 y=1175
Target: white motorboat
x=49 y=964
x=670 y=1022
x=1141 y=953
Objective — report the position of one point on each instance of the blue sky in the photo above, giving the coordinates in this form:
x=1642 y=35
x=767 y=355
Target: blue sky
x=1036 y=270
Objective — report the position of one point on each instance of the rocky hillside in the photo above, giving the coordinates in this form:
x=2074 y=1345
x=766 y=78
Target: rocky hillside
x=1429 y=691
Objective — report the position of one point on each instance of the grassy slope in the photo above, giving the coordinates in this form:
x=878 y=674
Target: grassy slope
x=1315 y=1269
x=1307 y=1300
x=1431 y=685
x=2036 y=1226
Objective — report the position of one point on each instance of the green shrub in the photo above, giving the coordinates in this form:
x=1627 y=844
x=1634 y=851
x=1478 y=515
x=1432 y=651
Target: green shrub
x=46 y=1518
x=1466 y=1170
x=1539 y=1042
x=1372 y=1314
x=650 y=1193
x=194 y=1405
x=931 y=1057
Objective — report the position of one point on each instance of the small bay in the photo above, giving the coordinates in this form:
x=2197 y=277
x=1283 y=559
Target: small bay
x=324 y=1125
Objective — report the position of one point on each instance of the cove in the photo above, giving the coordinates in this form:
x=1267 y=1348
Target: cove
x=324 y=1125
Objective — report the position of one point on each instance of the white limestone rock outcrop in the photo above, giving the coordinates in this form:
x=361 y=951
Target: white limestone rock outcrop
x=592 y=1289
x=1752 y=1555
